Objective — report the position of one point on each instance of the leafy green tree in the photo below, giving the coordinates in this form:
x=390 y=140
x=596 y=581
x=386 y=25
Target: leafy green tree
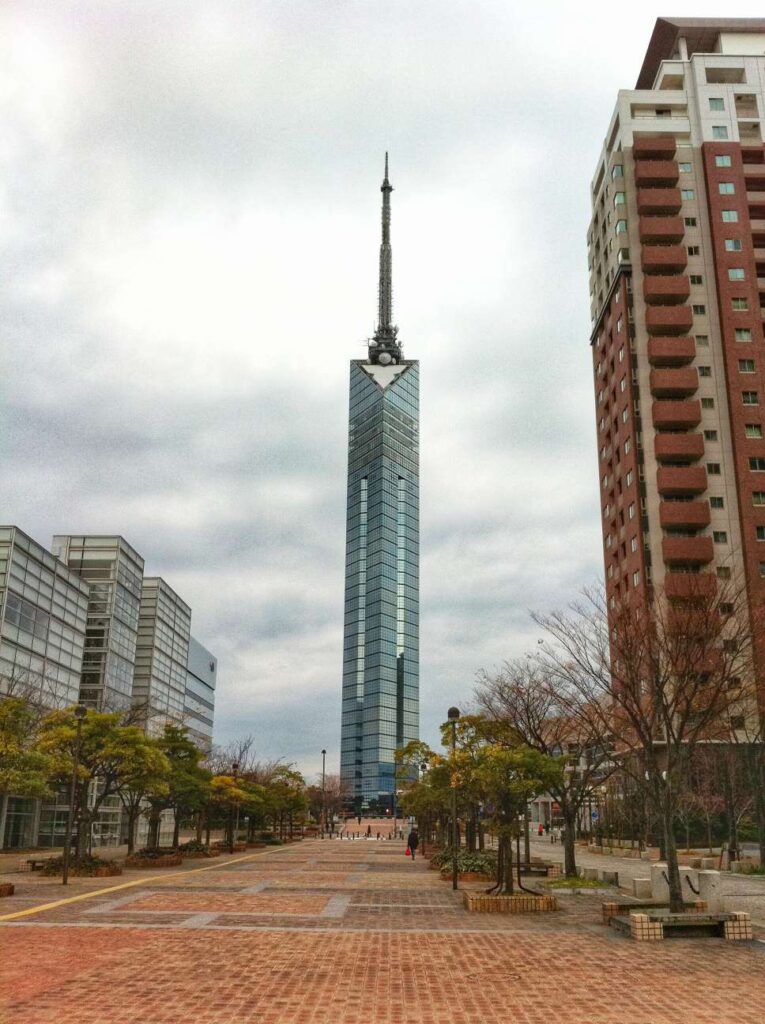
x=24 y=770
x=510 y=777
x=109 y=754
x=146 y=777
x=188 y=783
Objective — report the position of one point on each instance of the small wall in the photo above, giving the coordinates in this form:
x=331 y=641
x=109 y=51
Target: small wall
x=516 y=904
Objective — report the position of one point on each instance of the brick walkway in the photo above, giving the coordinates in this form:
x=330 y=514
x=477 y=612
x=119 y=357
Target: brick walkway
x=331 y=932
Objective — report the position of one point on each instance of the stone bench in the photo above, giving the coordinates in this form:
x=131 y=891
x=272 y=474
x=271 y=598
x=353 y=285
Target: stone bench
x=656 y=926
x=617 y=908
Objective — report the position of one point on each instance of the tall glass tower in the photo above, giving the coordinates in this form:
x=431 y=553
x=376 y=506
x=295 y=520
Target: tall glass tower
x=381 y=642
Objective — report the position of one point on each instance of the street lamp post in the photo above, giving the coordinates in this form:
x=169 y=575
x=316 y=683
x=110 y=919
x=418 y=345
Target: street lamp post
x=323 y=792
x=453 y=715
x=234 y=770
x=79 y=713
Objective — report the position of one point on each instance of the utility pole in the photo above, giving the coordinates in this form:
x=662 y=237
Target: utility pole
x=453 y=715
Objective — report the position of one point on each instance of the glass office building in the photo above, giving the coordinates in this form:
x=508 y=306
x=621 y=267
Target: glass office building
x=380 y=708
x=199 y=705
x=162 y=651
x=115 y=573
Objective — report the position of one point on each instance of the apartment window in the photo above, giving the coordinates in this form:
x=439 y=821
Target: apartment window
x=733 y=245
x=760 y=533
x=750 y=398
x=627 y=447
x=719 y=131
x=623 y=384
x=635 y=579
x=735 y=273
x=684 y=168
x=617 y=171
x=716 y=103
x=739 y=305
x=730 y=216
x=722 y=160
x=726 y=188
x=702 y=340
x=757 y=464
x=619 y=199
x=710 y=435
x=697 y=279
x=743 y=334
x=621 y=227
x=625 y=415
x=621 y=354
x=758 y=497
x=753 y=430
x=746 y=366
x=629 y=478
x=687 y=193
x=723 y=572
x=716 y=502
x=699 y=310
x=633 y=544
x=619 y=323
x=707 y=403
x=713 y=468
x=720 y=537
x=690 y=222
x=694 y=250
x=705 y=371
x=631 y=509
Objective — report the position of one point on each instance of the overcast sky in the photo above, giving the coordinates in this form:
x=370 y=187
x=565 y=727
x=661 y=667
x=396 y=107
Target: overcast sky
x=189 y=222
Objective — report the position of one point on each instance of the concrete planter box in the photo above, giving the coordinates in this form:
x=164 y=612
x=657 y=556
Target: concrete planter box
x=522 y=903
x=169 y=860
x=6 y=889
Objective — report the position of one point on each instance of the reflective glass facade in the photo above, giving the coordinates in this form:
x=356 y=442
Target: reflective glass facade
x=115 y=573
x=162 y=651
x=201 y=673
x=380 y=709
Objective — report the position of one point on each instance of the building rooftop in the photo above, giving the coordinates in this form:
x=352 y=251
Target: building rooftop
x=700 y=35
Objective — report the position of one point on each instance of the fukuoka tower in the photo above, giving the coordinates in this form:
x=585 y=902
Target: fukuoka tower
x=380 y=710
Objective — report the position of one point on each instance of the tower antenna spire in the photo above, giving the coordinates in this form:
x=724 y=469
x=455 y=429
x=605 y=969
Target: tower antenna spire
x=384 y=347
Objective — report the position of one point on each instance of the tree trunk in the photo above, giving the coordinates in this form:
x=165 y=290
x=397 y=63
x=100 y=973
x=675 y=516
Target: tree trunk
x=482 y=838
x=526 y=838
x=176 y=829
x=152 y=839
x=470 y=834
x=132 y=819
x=569 y=840
x=673 y=870
x=506 y=878
x=730 y=811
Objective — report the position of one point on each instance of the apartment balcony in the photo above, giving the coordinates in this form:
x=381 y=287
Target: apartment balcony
x=696 y=550
x=681 y=479
x=756 y=201
x=659 y=200
x=661 y=230
x=674 y=382
x=678 y=447
x=676 y=415
x=659 y=147
x=668 y=319
x=666 y=289
x=663 y=259
x=690 y=514
x=656 y=173
x=671 y=351
x=758 y=231
x=689 y=586
x=754 y=175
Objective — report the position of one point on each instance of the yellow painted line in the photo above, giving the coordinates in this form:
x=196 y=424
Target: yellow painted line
x=152 y=879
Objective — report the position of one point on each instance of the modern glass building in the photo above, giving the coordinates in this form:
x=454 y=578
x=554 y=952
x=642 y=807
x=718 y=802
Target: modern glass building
x=380 y=709
x=115 y=573
x=162 y=650
x=199 y=704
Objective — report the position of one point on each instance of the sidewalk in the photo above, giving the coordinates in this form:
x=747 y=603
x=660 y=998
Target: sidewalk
x=340 y=932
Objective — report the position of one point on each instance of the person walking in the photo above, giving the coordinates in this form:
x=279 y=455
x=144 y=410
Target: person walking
x=413 y=841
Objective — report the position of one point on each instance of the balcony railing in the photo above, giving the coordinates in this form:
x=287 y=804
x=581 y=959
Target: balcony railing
x=671 y=351
x=674 y=382
x=692 y=514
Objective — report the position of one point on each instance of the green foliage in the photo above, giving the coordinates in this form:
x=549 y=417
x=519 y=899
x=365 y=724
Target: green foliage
x=482 y=863
x=85 y=865
x=24 y=770
x=752 y=869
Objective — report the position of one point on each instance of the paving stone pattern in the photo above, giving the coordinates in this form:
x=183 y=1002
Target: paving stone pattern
x=350 y=933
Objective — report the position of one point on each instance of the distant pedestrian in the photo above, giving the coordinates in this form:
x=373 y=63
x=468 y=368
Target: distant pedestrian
x=369 y=831
x=413 y=841
x=541 y=830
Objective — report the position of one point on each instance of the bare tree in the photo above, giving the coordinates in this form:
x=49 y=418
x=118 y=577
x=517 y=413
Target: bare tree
x=664 y=679
x=523 y=696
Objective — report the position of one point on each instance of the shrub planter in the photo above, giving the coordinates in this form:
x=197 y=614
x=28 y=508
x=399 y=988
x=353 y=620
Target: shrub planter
x=199 y=854
x=165 y=860
x=467 y=876
x=88 y=867
x=520 y=903
x=6 y=889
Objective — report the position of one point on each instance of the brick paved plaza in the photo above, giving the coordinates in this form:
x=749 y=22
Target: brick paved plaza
x=347 y=933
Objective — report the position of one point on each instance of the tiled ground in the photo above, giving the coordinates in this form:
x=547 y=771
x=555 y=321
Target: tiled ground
x=349 y=933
